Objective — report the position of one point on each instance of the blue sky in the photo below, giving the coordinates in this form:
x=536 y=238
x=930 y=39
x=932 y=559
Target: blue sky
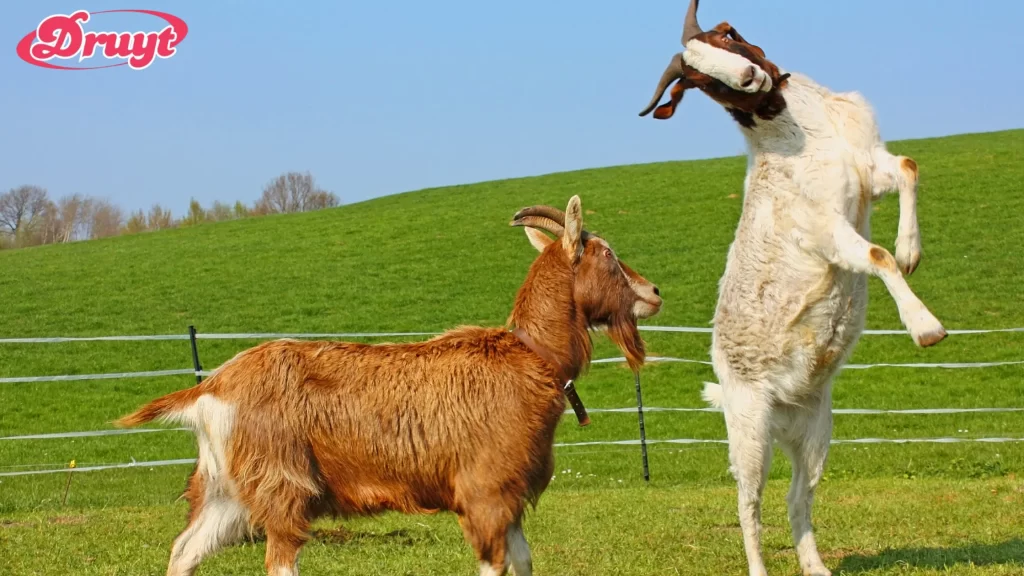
x=375 y=98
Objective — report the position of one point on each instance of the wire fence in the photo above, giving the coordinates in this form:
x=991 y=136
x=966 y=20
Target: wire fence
x=197 y=371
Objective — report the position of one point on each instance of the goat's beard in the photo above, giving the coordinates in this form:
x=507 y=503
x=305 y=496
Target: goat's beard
x=623 y=331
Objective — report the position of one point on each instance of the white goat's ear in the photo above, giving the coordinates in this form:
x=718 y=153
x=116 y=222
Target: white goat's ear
x=539 y=239
x=573 y=230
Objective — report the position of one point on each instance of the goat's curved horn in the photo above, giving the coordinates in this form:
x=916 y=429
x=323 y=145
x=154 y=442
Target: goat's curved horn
x=690 y=26
x=539 y=222
x=543 y=211
x=673 y=72
x=545 y=218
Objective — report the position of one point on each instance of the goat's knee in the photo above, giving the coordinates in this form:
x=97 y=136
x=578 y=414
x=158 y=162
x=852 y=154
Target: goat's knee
x=908 y=169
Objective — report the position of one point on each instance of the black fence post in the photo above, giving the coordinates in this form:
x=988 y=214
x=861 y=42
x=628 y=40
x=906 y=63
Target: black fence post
x=643 y=434
x=195 y=353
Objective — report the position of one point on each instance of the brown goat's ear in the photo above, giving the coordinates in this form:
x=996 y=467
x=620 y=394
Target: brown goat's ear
x=571 y=238
x=538 y=239
x=665 y=111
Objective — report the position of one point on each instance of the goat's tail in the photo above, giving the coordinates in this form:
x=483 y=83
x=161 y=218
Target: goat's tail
x=174 y=407
x=712 y=394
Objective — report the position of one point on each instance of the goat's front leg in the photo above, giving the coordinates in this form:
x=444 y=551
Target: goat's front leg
x=900 y=173
x=844 y=247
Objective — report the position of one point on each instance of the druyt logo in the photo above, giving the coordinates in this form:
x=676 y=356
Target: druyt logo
x=62 y=37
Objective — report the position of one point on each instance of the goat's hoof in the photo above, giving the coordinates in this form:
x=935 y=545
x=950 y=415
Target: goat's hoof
x=931 y=338
x=908 y=255
x=925 y=328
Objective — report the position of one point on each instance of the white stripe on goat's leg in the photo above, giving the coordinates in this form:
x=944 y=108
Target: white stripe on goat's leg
x=806 y=444
x=518 y=551
x=221 y=522
x=850 y=251
x=747 y=419
x=487 y=570
x=900 y=173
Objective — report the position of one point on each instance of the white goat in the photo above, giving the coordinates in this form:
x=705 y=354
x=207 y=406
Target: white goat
x=793 y=297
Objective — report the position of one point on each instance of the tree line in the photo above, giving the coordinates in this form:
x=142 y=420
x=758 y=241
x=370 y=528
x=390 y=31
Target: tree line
x=30 y=217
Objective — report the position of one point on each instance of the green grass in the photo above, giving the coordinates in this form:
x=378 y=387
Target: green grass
x=433 y=259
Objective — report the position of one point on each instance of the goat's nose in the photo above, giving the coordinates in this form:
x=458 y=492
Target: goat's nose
x=747 y=78
x=656 y=291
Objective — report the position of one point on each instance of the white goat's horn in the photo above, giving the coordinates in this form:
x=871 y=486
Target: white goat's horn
x=672 y=72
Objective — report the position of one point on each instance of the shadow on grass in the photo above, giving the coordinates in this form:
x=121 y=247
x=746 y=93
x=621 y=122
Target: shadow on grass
x=1009 y=552
x=339 y=535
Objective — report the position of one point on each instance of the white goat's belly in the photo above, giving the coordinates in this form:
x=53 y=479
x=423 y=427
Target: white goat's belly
x=795 y=346
x=786 y=319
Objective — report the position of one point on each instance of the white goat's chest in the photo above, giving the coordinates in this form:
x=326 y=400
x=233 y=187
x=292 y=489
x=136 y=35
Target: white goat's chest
x=785 y=316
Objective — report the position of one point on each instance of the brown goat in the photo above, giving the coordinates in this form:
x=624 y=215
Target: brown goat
x=289 y=431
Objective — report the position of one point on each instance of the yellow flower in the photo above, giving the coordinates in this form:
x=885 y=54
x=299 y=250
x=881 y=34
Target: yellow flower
x=72 y=465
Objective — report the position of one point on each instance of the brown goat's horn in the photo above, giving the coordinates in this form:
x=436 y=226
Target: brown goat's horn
x=690 y=26
x=544 y=211
x=673 y=72
x=539 y=222
x=543 y=217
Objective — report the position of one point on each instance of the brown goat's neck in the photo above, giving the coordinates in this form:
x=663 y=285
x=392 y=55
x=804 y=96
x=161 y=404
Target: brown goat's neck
x=563 y=371
x=546 y=313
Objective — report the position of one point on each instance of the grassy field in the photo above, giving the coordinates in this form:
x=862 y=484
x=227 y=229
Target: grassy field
x=433 y=259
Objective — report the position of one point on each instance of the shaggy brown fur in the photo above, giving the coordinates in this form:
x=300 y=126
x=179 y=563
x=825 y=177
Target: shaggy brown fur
x=463 y=422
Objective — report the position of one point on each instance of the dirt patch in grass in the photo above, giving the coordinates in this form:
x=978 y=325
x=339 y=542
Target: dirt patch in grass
x=68 y=520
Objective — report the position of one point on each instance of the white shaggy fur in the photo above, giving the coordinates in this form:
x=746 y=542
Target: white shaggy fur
x=726 y=67
x=488 y=570
x=223 y=520
x=793 y=297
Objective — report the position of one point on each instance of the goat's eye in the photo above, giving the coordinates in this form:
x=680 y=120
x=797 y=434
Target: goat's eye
x=607 y=253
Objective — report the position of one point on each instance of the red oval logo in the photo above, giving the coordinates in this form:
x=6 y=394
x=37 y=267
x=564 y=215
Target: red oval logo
x=62 y=37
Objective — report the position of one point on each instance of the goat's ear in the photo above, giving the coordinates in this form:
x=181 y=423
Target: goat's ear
x=665 y=111
x=571 y=238
x=538 y=239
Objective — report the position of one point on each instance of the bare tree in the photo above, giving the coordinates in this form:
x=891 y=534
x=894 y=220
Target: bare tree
x=22 y=208
x=159 y=218
x=136 y=223
x=196 y=214
x=73 y=211
x=106 y=219
x=50 y=228
x=220 y=212
x=294 y=192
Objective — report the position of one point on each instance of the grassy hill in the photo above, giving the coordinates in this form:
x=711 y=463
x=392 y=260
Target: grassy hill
x=433 y=259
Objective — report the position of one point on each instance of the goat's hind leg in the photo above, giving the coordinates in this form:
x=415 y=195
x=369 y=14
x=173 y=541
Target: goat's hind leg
x=748 y=422
x=215 y=520
x=900 y=173
x=806 y=442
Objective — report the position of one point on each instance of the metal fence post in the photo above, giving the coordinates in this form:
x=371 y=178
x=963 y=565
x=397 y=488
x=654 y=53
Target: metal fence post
x=195 y=353
x=643 y=434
